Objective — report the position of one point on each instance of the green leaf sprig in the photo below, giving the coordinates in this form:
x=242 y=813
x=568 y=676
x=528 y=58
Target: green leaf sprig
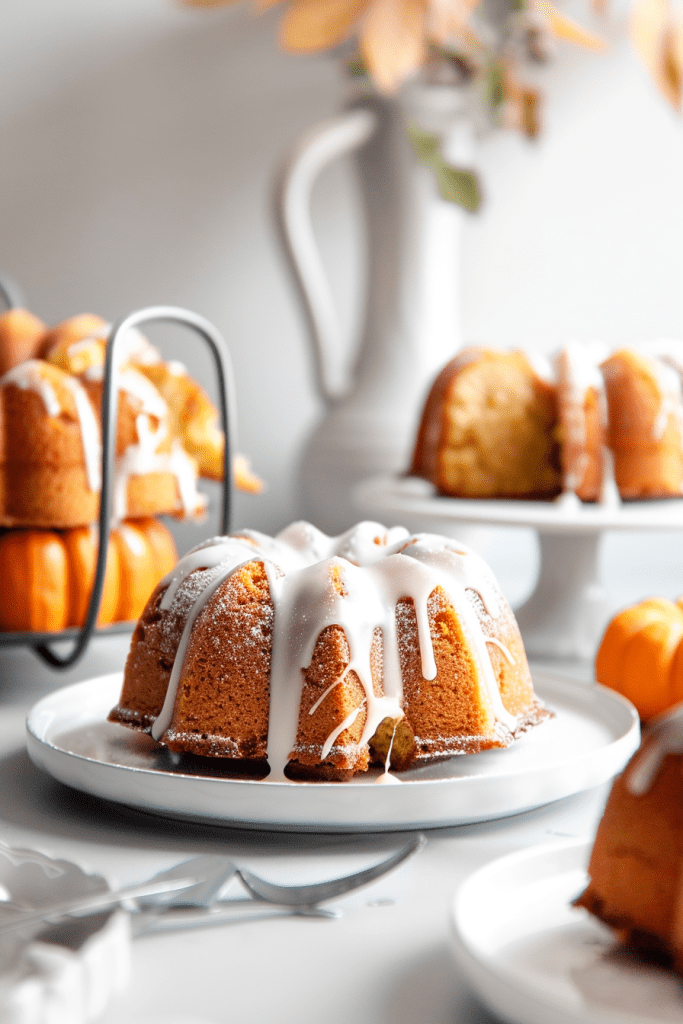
x=455 y=184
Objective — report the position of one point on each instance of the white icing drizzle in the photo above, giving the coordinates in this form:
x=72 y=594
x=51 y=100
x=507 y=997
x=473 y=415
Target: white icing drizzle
x=145 y=457
x=131 y=346
x=386 y=779
x=578 y=372
x=321 y=588
x=176 y=368
x=29 y=376
x=90 y=433
x=665 y=736
x=671 y=401
x=134 y=383
x=609 y=492
x=539 y=362
x=231 y=550
x=139 y=459
x=503 y=648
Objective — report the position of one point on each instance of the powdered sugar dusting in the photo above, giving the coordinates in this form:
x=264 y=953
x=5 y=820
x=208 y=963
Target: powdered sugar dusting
x=360 y=582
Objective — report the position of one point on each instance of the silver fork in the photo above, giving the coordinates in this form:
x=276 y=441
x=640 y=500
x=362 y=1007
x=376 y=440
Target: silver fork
x=271 y=899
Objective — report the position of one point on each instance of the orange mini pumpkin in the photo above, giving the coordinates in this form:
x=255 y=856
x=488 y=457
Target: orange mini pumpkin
x=641 y=655
x=47 y=574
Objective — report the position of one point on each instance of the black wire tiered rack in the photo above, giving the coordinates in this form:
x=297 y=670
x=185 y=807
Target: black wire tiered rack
x=43 y=644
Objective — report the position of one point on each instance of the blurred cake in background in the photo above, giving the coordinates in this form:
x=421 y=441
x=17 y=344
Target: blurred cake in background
x=636 y=866
x=487 y=429
x=597 y=426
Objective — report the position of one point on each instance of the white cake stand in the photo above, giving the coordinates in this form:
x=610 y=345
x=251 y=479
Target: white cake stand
x=567 y=612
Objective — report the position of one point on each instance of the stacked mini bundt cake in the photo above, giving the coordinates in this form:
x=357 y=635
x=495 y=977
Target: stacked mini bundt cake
x=636 y=866
x=320 y=655
x=595 y=426
x=50 y=468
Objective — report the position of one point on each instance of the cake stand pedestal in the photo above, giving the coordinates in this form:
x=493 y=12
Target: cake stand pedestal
x=567 y=612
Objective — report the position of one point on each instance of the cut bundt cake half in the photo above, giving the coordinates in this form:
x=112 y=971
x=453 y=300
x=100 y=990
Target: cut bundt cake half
x=317 y=656
x=488 y=429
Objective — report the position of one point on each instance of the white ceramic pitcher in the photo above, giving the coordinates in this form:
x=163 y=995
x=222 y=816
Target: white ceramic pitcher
x=411 y=325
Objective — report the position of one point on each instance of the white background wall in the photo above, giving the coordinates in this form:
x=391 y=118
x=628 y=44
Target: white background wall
x=138 y=142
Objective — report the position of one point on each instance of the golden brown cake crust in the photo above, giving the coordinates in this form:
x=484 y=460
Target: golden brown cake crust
x=644 y=437
x=21 y=338
x=43 y=472
x=636 y=881
x=221 y=706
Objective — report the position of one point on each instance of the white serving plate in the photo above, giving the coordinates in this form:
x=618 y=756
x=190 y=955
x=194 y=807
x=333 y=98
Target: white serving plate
x=594 y=733
x=532 y=958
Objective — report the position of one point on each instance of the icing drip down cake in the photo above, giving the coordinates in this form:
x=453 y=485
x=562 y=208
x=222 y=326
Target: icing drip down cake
x=310 y=656
x=636 y=866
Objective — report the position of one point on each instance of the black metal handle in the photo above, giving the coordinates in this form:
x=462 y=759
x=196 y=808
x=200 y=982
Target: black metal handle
x=226 y=392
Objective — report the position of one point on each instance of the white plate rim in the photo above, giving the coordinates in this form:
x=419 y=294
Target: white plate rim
x=228 y=805
x=503 y=991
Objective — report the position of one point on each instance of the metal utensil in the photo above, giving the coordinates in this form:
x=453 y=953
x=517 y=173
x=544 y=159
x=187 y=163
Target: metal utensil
x=212 y=872
x=272 y=900
x=318 y=892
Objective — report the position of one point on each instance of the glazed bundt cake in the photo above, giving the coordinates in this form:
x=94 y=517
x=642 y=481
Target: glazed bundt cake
x=600 y=427
x=636 y=866
x=50 y=450
x=320 y=655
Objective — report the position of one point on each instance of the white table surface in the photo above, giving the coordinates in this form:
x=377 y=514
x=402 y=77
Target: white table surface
x=386 y=961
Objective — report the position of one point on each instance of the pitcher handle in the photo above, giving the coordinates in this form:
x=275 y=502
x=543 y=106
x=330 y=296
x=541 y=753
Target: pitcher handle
x=324 y=143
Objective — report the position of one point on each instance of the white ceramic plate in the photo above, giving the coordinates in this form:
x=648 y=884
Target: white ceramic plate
x=594 y=733
x=410 y=497
x=534 y=959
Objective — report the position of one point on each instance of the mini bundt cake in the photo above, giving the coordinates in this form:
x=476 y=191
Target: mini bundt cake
x=487 y=430
x=78 y=346
x=50 y=435
x=321 y=655
x=603 y=427
x=636 y=866
x=50 y=450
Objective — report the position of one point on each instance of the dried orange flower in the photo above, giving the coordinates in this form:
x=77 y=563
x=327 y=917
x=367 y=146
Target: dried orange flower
x=397 y=37
x=657 y=34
